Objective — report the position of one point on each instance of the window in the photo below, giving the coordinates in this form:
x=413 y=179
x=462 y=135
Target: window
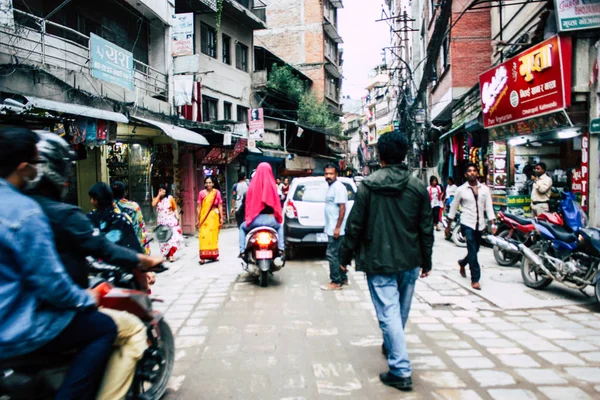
x=209 y=109
x=331 y=50
x=241 y=57
x=226 y=49
x=315 y=191
x=242 y=114
x=445 y=53
x=208 y=40
x=332 y=87
x=227 y=110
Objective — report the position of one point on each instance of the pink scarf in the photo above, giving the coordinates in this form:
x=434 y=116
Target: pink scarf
x=262 y=193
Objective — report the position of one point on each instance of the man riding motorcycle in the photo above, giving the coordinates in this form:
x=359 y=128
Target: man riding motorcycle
x=41 y=310
x=75 y=239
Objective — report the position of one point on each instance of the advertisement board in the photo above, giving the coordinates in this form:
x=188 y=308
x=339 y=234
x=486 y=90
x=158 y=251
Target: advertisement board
x=535 y=82
x=256 y=124
x=111 y=63
x=574 y=15
x=183 y=34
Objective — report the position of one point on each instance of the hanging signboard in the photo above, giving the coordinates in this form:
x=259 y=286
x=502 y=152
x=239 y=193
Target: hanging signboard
x=256 y=124
x=533 y=83
x=580 y=176
x=7 y=18
x=574 y=15
x=183 y=34
x=111 y=63
x=595 y=125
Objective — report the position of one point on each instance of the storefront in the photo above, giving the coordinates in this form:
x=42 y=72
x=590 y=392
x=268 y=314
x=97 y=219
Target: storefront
x=531 y=118
x=146 y=156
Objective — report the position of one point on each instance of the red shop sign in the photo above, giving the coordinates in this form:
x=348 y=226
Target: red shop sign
x=533 y=83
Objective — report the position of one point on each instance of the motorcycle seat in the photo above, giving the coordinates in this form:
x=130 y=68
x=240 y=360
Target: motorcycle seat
x=520 y=220
x=559 y=232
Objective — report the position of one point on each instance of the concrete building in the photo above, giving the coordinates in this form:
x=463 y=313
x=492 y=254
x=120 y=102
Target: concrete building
x=379 y=114
x=305 y=34
x=99 y=73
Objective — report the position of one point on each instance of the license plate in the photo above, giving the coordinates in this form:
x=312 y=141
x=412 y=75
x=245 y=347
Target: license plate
x=322 y=238
x=264 y=254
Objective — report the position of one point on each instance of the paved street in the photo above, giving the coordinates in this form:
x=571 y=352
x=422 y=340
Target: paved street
x=236 y=340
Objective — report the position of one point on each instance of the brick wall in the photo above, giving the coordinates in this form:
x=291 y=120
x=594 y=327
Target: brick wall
x=470 y=47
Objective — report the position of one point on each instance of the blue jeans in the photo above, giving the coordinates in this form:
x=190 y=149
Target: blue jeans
x=473 y=239
x=392 y=296
x=333 y=256
x=262 y=220
x=92 y=334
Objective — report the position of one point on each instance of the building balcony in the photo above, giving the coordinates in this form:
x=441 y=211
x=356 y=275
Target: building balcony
x=331 y=31
x=252 y=13
x=337 y=3
x=30 y=44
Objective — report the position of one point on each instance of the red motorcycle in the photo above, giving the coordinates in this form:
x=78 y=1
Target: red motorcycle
x=518 y=229
x=38 y=377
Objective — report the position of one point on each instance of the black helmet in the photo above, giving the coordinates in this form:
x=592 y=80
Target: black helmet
x=57 y=158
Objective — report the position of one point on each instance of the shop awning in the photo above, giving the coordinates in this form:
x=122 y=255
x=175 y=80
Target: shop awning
x=176 y=132
x=73 y=109
x=451 y=132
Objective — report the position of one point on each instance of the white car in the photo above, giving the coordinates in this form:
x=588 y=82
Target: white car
x=304 y=209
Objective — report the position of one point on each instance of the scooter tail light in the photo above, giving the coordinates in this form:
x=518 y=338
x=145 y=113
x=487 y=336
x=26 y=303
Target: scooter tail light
x=291 y=211
x=263 y=238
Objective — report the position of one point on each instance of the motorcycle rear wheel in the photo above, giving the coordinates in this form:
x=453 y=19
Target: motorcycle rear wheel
x=505 y=258
x=458 y=238
x=264 y=278
x=154 y=389
x=531 y=277
x=597 y=291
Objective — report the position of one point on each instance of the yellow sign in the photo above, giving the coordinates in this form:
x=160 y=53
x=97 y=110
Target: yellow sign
x=536 y=61
x=385 y=129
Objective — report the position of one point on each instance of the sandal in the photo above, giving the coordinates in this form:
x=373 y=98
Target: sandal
x=202 y=262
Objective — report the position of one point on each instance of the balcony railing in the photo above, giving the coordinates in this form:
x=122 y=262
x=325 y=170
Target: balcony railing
x=67 y=48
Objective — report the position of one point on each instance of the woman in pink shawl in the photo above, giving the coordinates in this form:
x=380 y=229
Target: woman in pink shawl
x=262 y=207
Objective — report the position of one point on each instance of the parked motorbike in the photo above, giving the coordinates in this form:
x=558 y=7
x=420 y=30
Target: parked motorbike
x=569 y=255
x=35 y=376
x=261 y=254
x=456 y=235
x=518 y=229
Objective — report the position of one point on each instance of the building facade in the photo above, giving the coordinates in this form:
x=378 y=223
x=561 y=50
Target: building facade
x=305 y=34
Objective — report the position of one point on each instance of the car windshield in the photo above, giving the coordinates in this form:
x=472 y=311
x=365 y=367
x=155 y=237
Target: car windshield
x=315 y=191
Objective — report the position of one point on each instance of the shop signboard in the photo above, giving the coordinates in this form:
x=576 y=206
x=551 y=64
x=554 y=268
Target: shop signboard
x=183 y=34
x=256 y=126
x=111 y=63
x=533 y=83
x=575 y=15
x=384 y=129
x=519 y=205
x=580 y=178
x=595 y=125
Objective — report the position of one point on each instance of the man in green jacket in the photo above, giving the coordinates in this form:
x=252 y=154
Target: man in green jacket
x=390 y=234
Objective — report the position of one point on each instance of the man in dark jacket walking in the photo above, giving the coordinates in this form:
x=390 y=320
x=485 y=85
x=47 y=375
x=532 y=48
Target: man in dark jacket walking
x=390 y=234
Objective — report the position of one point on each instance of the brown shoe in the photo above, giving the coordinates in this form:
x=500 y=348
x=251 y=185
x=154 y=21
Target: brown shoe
x=331 y=286
x=476 y=285
x=463 y=273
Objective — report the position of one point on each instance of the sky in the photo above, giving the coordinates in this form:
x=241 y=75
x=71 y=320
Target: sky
x=364 y=40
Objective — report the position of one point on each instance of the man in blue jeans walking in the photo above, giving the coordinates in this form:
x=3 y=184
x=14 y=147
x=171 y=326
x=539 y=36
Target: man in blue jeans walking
x=474 y=200
x=389 y=232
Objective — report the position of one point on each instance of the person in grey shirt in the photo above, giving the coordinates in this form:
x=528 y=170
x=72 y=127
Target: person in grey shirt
x=238 y=193
x=335 y=213
x=474 y=200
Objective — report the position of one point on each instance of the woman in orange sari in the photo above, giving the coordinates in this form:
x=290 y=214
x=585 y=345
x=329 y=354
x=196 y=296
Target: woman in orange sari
x=210 y=220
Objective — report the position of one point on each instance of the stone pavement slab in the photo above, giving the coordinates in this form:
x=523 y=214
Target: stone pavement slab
x=290 y=340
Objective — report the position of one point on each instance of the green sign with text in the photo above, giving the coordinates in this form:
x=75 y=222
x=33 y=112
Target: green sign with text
x=595 y=126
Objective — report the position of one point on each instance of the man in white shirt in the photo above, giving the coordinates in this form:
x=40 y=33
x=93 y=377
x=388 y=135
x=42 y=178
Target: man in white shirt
x=335 y=224
x=475 y=200
x=541 y=190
